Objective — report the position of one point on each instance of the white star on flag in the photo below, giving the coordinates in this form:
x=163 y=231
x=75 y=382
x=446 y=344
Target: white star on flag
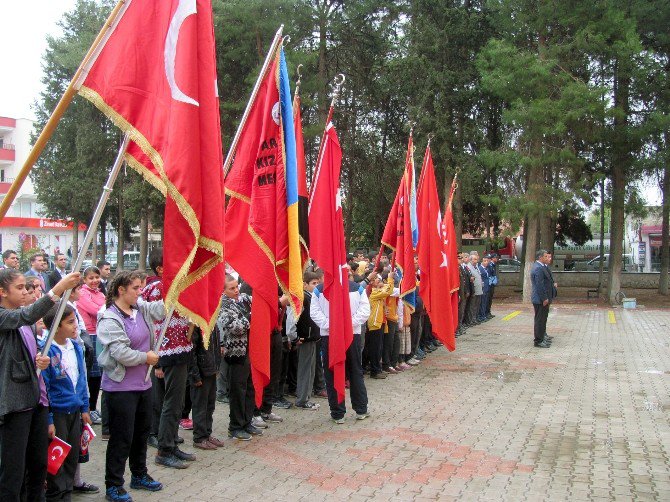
x=338 y=199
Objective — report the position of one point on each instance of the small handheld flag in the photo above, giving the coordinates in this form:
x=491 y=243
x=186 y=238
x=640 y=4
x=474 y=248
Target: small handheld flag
x=57 y=453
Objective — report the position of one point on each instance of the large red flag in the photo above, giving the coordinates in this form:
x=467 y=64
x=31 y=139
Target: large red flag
x=327 y=248
x=435 y=261
x=155 y=79
x=260 y=242
x=398 y=231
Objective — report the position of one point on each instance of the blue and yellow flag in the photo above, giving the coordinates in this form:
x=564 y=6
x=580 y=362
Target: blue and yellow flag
x=294 y=265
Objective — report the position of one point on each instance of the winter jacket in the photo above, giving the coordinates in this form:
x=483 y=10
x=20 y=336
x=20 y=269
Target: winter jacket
x=204 y=362
x=484 y=272
x=176 y=347
x=89 y=304
x=478 y=279
x=63 y=397
x=234 y=322
x=19 y=387
x=464 y=284
x=358 y=301
x=116 y=352
x=378 y=298
x=308 y=331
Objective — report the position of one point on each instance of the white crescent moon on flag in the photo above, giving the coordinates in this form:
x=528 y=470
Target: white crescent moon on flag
x=185 y=9
x=58 y=448
x=439 y=224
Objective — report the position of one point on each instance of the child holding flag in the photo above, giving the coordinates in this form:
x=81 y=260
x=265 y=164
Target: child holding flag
x=379 y=292
x=23 y=407
x=65 y=380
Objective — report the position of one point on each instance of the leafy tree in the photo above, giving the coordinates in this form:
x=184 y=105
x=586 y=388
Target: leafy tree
x=549 y=109
x=69 y=175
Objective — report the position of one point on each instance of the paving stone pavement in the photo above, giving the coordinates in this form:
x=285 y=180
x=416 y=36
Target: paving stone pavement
x=587 y=419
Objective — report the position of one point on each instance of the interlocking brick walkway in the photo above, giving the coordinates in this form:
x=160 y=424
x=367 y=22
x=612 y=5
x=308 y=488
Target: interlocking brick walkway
x=496 y=420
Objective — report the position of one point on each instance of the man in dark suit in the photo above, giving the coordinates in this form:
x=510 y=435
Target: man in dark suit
x=105 y=272
x=38 y=267
x=543 y=293
x=60 y=261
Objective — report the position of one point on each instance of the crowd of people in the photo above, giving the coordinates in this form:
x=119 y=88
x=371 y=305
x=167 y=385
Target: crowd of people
x=96 y=370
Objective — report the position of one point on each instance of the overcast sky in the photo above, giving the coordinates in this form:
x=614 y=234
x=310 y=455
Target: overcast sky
x=24 y=25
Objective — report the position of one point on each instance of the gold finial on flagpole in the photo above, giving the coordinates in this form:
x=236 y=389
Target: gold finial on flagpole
x=337 y=89
x=299 y=80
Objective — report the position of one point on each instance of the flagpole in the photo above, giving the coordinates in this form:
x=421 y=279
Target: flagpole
x=402 y=180
x=339 y=81
x=63 y=104
x=90 y=233
x=268 y=59
x=161 y=336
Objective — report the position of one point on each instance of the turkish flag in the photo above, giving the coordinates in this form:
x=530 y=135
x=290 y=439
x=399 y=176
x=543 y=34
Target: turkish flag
x=436 y=263
x=261 y=243
x=155 y=78
x=57 y=453
x=327 y=248
x=398 y=233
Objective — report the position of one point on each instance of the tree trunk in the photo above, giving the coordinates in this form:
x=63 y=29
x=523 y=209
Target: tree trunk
x=94 y=248
x=144 y=239
x=535 y=181
x=259 y=46
x=546 y=229
x=103 y=238
x=75 y=242
x=601 y=266
x=620 y=162
x=665 y=239
x=458 y=215
x=522 y=257
x=120 y=245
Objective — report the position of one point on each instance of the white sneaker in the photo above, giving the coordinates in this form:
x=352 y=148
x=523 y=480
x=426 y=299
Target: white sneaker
x=272 y=418
x=413 y=362
x=259 y=423
x=362 y=416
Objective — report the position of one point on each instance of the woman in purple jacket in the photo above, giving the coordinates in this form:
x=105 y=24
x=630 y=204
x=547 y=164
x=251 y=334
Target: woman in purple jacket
x=126 y=339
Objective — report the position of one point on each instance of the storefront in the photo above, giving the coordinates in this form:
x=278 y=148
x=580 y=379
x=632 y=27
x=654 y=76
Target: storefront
x=37 y=233
x=651 y=240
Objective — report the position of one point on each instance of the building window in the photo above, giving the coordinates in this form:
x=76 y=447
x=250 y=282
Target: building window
x=26 y=208
x=2 y=174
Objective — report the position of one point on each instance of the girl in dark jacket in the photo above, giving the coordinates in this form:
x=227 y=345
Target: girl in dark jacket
x=23 y=409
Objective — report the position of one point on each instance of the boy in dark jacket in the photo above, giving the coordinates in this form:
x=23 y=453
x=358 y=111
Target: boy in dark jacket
x=308 y=335
x=203 y=369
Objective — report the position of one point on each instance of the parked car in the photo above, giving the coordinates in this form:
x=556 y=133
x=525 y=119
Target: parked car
x=594 y=264
x=131 y=260
x=509 y=265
